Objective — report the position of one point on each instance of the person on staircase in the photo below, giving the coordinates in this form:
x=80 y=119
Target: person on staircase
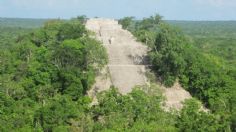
x=111 y=39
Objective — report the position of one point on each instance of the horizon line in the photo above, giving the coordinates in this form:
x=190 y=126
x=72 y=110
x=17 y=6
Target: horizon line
x=53 y=18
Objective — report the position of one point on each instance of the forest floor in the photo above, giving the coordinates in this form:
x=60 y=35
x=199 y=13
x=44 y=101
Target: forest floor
x=127 y=63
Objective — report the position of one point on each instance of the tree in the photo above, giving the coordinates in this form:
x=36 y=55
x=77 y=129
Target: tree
x=70 y=53
x=60 y=111
x=96 y=54
x=82 y=19
x=167 y=54
x=137 y=111
x=150 y=24
x=45 y=76
x=193 y=119
x=71 y=30
x=126 y=22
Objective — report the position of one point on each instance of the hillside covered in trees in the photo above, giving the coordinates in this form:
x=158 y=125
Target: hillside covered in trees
x=47 y=71
x=207 y=73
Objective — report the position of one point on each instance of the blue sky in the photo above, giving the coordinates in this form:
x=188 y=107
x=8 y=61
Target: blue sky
x=170 y=9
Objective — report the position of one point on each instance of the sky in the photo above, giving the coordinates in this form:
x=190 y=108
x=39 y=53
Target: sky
x=169 y=9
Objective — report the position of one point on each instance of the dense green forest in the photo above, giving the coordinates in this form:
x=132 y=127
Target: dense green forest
x=214 y=37
x=46 y=71
x=202 y=64
x=22 y=22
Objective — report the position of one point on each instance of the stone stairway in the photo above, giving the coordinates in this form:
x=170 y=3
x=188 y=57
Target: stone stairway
x=126 y=67
x=125 y=55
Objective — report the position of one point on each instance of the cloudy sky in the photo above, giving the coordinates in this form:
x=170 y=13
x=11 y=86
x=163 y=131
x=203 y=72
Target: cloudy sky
x=170 y=9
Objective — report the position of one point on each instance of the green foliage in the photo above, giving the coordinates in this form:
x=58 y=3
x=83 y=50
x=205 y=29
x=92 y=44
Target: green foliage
x=72 y=30
x=167 y=54
x=192 y=119
x=126 y=22
x=96 y=55
x=82 y=19
x=150 y=24
x=214 y=37
x=143 y=30
x=70 y=53
x=45 y=76
x=38 y=37
x=146 y=37
x=137 y=111
x=205 y=76
x=60 y=111
x=22 y=22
